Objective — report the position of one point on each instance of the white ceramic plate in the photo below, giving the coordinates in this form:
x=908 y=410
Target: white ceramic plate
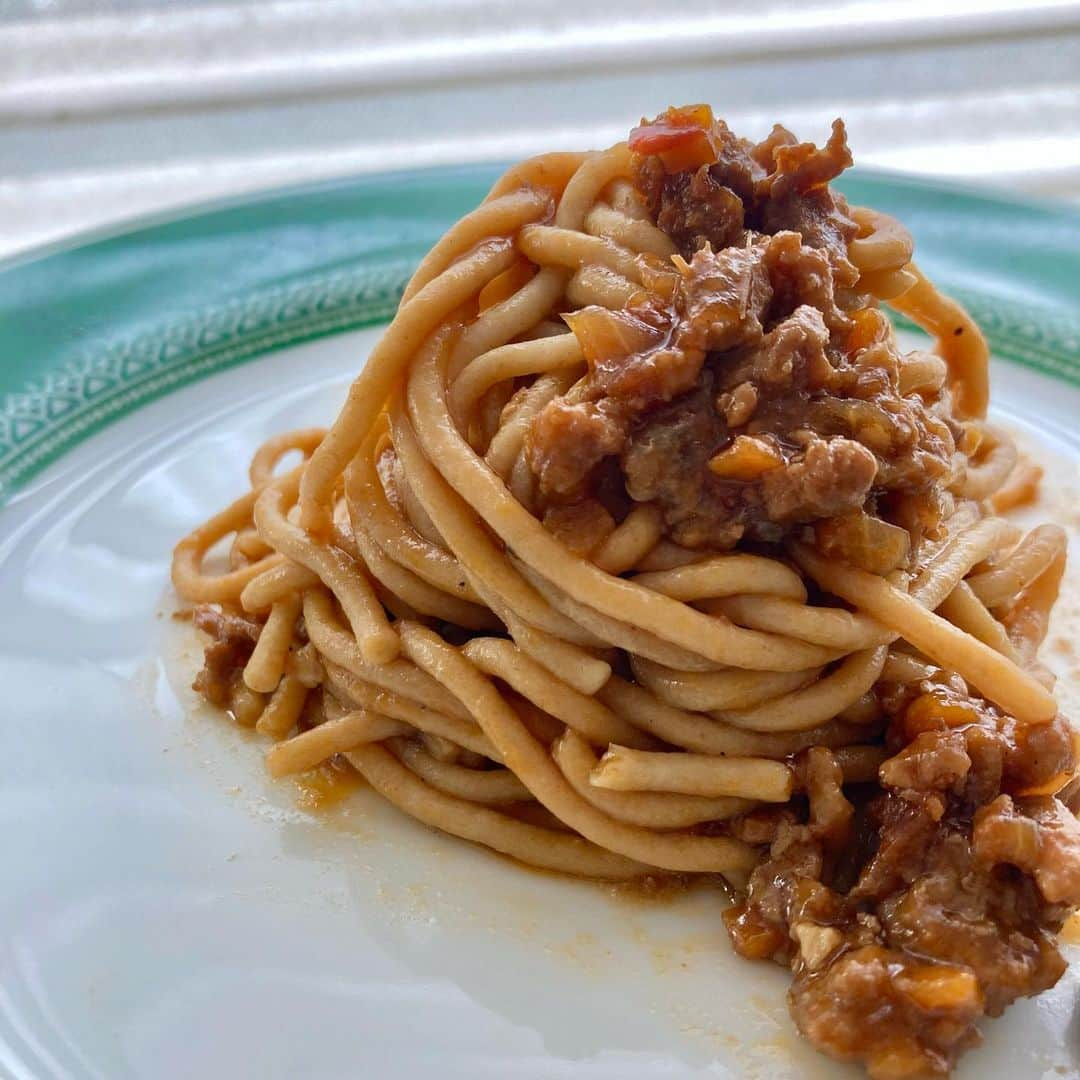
x=169 y=912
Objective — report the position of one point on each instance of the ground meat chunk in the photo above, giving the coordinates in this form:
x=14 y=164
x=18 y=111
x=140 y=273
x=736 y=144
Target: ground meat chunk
x=841 y=433
x=724 y=296
x=805 y=421
x=959 y=889
x=870 y=1003
x=775 y=185
x=792 y=353
x=737 y=406
x=831 y=477
x=798 y=168
x=795 y=194
x=830 y=815
x=233 y=637
x=801 y=275
x=706 y=205
x=740 y=164
x=759 y=327
x=931 y=761
x=957 y=910
x=720 y=304
x=760 y=927
x=1040 y=836
x=864 y=540
x=1038 y=753
x=567 y=440
x=665 y=461
x=904 y=828
x=581 y=526
x=761 y=825
x=696 y=207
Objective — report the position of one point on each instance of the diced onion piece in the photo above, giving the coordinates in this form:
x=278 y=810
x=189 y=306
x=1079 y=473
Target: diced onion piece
x=864 y=541
x=610 y=335
x=937 y=987
x=746 y=458
x=868 y=326
x=932 y=711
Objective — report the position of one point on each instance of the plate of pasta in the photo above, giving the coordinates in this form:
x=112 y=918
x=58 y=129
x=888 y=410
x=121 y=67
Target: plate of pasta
x=608 y=616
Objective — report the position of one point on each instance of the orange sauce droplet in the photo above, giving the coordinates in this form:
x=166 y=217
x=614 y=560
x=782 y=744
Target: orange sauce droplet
x=327 y=784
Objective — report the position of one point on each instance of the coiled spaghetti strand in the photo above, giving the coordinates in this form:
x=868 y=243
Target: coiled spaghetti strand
x=528 y=759
x=336 y=569
x=489 y=787
x=371 y=509
x=416 y=319
x=503 y=660
x=991 y=673
x=530 y=844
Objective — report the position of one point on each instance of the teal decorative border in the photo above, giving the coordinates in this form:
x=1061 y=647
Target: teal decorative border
x=94 y=331
x=40 y=423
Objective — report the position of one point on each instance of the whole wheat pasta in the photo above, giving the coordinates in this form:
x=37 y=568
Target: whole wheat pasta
x=284 y=578
x=283 y=710
x=336 y=736
x=371 y=510
x=510 y=362
x=652 y=810
x=996 y=676
x=530 y=844
x=964 y=609
x=571 y=663
x=188 y=575
x=267 y=663
x=997 y=459
x=634 y=233
x=1030 y=559
x=421 y=718
x=632 y=539
x=833 y=628
x=583 y=713
x=640 y=547
x=340 y=572
x=522 y=753
x=817 y=703
x=704 y=690
x=705 y=734
x=505 y=448
x=492 y=787
x=885 y=245
x=269 y=455
x=601 y=286
x=624 y=769
x=725 y=575
x=961 y=345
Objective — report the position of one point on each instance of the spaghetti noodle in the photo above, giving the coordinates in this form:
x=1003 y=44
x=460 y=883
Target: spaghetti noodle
x=639 y=547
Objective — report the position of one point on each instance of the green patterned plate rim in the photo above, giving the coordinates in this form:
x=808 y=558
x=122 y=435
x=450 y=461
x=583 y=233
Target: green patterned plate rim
x=95 y=328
